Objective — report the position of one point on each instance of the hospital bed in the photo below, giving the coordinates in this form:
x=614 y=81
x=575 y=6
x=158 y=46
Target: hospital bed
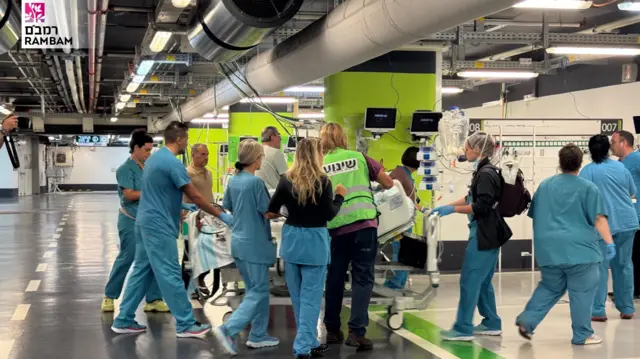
x=210 y=248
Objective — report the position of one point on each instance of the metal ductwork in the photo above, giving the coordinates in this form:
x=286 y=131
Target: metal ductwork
x=10 y=25
x=226 y=29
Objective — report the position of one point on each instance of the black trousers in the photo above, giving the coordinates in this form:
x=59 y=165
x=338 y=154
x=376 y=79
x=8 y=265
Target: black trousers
x=636 y=264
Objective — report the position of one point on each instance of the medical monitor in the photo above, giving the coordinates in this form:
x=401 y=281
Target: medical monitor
x=380 y=120
x=425 y=123
x=292 y=144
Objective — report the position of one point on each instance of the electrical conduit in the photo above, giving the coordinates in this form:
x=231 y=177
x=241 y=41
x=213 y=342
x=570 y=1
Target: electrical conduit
x=92 y=9
x=101 y=34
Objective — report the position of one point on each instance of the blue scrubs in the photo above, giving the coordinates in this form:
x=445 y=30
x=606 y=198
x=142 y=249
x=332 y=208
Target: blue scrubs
x=306 y=252
x=632 y=164
x=253 y=251
x=129 y=176
x=158 y=224
x=617 y=187
x=476 y=289
x=564 y=210
x=399 y=279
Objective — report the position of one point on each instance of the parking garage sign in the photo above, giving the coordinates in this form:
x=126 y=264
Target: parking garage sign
x=49 y=24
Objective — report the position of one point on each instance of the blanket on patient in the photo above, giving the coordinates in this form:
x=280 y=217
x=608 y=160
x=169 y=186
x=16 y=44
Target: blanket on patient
x=209 y=242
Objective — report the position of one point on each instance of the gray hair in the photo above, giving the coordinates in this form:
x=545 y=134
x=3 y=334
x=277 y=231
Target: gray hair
x=195 y=148
x=267 y=133
x=483 y=143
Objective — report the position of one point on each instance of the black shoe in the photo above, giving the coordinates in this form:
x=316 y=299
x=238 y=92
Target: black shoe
x=320 y=351
x=335 y=338
x=303 y=356
x=362 y=343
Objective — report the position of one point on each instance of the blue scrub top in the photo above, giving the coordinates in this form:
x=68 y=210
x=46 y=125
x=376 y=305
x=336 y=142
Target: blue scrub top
x=564 y=210
x=632 y=163
x=247 y=198
x=161 y=200
x=616 y=186
x=129 y=176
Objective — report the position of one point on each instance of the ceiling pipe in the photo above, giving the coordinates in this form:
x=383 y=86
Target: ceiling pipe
x=61 y=18
x=37 y=71
x=78 y=63
x=93 y=11
x=142 y=10
x=354 y=32
x=64 y=87
x=101 y=35
x=23 y=72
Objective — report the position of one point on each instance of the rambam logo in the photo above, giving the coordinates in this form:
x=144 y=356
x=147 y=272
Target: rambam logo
x=34 y=12
x=340 y=167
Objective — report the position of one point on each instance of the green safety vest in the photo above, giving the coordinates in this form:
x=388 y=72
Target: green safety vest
x=349 y=168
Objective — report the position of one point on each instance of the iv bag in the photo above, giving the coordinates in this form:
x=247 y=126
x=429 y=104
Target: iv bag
x=453 y=131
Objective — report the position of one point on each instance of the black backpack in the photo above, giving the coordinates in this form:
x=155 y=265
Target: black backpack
x=515 y=198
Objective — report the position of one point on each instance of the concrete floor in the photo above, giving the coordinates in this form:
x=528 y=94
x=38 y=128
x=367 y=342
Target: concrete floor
x=56 y=252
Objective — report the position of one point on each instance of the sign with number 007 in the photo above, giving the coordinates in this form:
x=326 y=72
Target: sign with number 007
x=609 y=127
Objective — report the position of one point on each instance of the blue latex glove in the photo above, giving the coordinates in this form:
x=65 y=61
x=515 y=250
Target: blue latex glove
x=611 y=251
x=226 y=218
x=443 y=210
x=189 y=207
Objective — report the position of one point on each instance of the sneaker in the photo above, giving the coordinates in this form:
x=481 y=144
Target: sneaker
x=133 y=328
x=626 y=316
x=303 y=356
x=453 y=336
x=226 y=341
x=599 y=319
x=485 y=331
x=320 y=351
x=362 y=343
x=592 y=340
x=157 y=306
x=108 y=305
x=335 y=337
x=267 y=342
x=523 y=332
x=197 y=330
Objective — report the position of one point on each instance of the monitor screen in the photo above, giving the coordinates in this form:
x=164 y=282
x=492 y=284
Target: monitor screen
x=380 y=118
x=636 y=124
x=293 y=141
x=424 y=121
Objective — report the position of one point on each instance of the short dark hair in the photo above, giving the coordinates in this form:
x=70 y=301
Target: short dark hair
x=599 y=148
x=626 y=136
x=410 y=157
x=175 y=130
x=139 y=138
x=570 y=158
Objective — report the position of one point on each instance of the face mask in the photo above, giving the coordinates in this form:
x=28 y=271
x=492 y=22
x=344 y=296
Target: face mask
x=475 y=164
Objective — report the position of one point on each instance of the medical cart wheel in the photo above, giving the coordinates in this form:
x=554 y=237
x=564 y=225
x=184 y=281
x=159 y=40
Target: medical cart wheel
x=226 y=317
x=395 y=321
x=347 y=282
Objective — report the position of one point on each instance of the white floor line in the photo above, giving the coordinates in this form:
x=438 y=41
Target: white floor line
x=42 y=267
x=53 y=245
x=5 y=348
x=56 y=236
x=428 y=346
x=33 y=286
x=21 y=312
x=58 y=229
x=62 y=224
x=47 y=254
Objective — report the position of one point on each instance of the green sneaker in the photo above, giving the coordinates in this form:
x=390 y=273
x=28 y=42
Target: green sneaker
x=484 y=331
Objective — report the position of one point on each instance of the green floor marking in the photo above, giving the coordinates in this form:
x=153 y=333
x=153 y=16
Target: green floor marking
x=431 y=333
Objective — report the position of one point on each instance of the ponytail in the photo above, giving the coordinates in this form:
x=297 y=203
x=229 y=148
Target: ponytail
x=239 y=167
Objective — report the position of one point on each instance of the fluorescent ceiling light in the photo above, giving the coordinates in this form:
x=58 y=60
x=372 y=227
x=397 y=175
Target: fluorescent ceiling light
x=629 y=6
x=305 y=89
x=120 y=105
x=51 y=138
x=452 y=90
x=114 y=119
x=138 y=79
x=158 y=138
x=498 y=74
x=555 y=4
x=210 y=120
x=133 y=86
x=131 y=105
x=125 y=97
x=180 y=4
x=273 y=100
x=613 y=51
x=311 y=115
x=213 y=115
x=225 y=108
x=124 y=139
x=160 y=39
x=144 y=67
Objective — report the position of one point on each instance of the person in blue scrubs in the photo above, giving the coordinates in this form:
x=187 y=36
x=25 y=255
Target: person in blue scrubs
x=487 y=232
x=252 y=248
x=568 y=213
x=163 y=182
x=616 y=185
x=404 y=174
x=129 y=177
x=307 y=194
x=622 y=146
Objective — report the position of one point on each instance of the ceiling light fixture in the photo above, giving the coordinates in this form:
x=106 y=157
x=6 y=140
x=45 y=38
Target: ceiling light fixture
x=180 y=4
x=629 y=6
x=158 y=138
x=120 y=105
x=272 y=100
x=114 y=119
x=213 y=115
x=225 y=108
x=160 y=39
x=311 y=115
x=209 y=121
x=305 y=89
x=133 y=86
x=125 y=97
x=555 y=4
x=144 y=67
x=612 y=51
x=451 y=90
x=498 y=74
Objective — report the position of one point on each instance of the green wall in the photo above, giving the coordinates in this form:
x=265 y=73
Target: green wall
x=251 y=124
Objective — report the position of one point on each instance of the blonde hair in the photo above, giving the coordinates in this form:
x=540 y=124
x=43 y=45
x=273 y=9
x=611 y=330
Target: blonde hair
x=306 y=173
x=332 y=137
x=249 y=151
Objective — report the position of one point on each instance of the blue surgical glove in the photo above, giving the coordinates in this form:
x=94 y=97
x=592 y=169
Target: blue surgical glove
x=226 y=218
x=611 y=251
x=189 y=207
x=443 y=211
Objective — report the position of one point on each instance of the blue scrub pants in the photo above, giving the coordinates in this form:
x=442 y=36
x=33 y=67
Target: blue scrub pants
x=359 y=248
x=306 y=286
x=254 y=308
x=400 y=277
x=156 y=257
x=621 y=273
x=581 y=281
x=127 y=233
x=476 y=289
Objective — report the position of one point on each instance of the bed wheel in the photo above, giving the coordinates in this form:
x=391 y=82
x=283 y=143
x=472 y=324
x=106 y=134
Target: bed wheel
x=226 y=317
x=347 y=283
x=395 y=321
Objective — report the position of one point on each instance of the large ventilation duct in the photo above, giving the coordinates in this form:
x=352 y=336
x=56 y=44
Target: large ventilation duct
x=354 y=32
x=10 y=25
x=227 y=29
